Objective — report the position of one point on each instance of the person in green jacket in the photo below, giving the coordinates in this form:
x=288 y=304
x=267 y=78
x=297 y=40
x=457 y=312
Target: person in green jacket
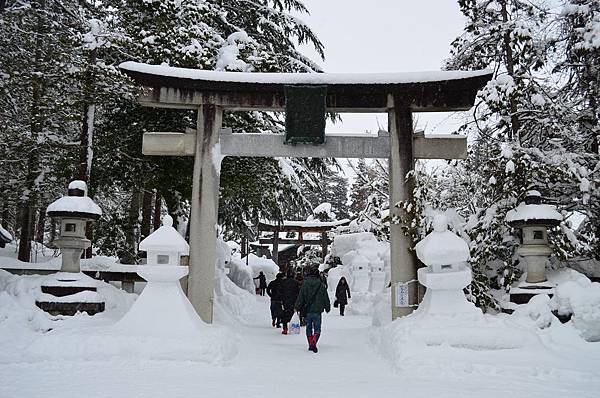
x=313 y=299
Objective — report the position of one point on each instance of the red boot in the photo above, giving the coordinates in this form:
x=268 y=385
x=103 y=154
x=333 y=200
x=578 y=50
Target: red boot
x=315 y=340
x=311 y=342
x=285 y=330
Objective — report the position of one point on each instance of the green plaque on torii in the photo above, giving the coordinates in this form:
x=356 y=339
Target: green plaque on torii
x=305 y=114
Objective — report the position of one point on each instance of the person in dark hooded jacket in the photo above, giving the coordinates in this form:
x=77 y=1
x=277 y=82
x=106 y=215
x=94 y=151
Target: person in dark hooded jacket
x=262 y=283
x=274 y=291
x=342 y=294
x=313 y=299
x=289 y=289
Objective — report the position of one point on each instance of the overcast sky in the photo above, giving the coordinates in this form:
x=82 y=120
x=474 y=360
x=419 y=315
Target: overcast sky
x=385 y=36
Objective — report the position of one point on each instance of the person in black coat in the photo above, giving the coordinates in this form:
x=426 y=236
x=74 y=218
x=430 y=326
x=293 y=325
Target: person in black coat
x=274 y=291
x=262 y=283
x=342 y=294
x=289 y=289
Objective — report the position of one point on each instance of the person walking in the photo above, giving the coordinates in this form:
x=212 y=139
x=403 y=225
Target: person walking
x=289 y=293
x=342 y=294
x=274 y=291
x=262 y=283
x=313 y=300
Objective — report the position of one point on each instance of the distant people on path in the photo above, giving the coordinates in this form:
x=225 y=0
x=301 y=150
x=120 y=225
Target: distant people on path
x=262 y=283
x=313 y=300
x=289 y=293
x=274 y=291
x=342 y=294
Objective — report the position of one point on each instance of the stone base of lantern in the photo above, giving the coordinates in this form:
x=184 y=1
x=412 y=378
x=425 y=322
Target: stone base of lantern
x=523 y=292
x=67 y=293
x=444 y=294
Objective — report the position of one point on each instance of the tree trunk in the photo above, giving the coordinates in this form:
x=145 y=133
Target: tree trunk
x=26 y=234
x=36 y=123
x=132 y=233
x=41 y=224
x=87 y=121
x=157 y=211
x=146 y=213
x=510 y=67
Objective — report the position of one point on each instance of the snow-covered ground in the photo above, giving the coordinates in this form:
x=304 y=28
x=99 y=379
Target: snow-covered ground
x=354 y=359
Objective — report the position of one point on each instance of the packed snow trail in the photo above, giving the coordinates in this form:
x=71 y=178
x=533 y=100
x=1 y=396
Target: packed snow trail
x=271 y=365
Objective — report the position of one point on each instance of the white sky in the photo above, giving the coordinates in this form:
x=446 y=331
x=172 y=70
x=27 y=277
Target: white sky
x=385 y=36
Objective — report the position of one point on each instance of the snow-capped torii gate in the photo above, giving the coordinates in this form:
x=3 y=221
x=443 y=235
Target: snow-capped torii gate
x=210 y=93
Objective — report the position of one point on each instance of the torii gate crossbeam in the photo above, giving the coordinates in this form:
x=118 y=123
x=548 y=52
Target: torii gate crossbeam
x=210 y=93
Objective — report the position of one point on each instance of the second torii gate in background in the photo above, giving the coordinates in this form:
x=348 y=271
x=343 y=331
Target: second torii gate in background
x=210 y=93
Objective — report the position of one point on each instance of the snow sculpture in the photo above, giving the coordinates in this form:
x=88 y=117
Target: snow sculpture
x=165 y=246
x=163 y=294
x=446 y=274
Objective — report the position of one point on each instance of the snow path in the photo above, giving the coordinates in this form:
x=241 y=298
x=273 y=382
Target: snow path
x=272 y=365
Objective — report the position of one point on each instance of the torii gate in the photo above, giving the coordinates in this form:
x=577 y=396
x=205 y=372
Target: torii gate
x=210 y=93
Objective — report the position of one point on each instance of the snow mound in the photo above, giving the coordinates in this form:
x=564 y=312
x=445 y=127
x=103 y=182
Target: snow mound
x=581 y=299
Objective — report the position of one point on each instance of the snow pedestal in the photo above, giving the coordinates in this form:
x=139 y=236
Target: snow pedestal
x=162 y=308
x=446 y=274
x=444 y=293
x=532 y=219
x=70 y=291
x=445 y=316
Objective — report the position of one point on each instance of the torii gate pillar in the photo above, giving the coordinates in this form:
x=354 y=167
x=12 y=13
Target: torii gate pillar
x=204 y=212
x=403 y=263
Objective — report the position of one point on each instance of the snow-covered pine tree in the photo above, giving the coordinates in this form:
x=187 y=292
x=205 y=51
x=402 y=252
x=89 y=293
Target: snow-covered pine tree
x=232 y=36
x=524 y=136
x=39 y=48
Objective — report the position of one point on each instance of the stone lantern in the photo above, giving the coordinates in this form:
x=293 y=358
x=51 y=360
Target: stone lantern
x=70 y=291
x=446 y=274
x=532 y=219
x=162 y=307
x=73 y=212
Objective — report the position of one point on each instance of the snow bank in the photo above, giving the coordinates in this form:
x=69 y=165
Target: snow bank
x=23 y=324
x=580 y=298
x=235 y=298
x=258 y=264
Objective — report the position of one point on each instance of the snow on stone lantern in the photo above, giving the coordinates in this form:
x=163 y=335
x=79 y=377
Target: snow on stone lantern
x=446 y=274
x=70 y=291
x=533 y=219
x=162 y=294
x=73 y=213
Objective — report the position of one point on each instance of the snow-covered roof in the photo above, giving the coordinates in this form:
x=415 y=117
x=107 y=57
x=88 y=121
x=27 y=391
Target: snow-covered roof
x=77 y=205
x=442 y=247
x=78 y=184
x=301 y=78
x=310 y=224
x=524 y=212
x=166 y=238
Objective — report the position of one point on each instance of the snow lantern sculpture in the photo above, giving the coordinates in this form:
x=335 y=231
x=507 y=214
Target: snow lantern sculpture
x=165 y=246
x=73 y=212
x=447 y=273
x=162 y=294
x=533 y=219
